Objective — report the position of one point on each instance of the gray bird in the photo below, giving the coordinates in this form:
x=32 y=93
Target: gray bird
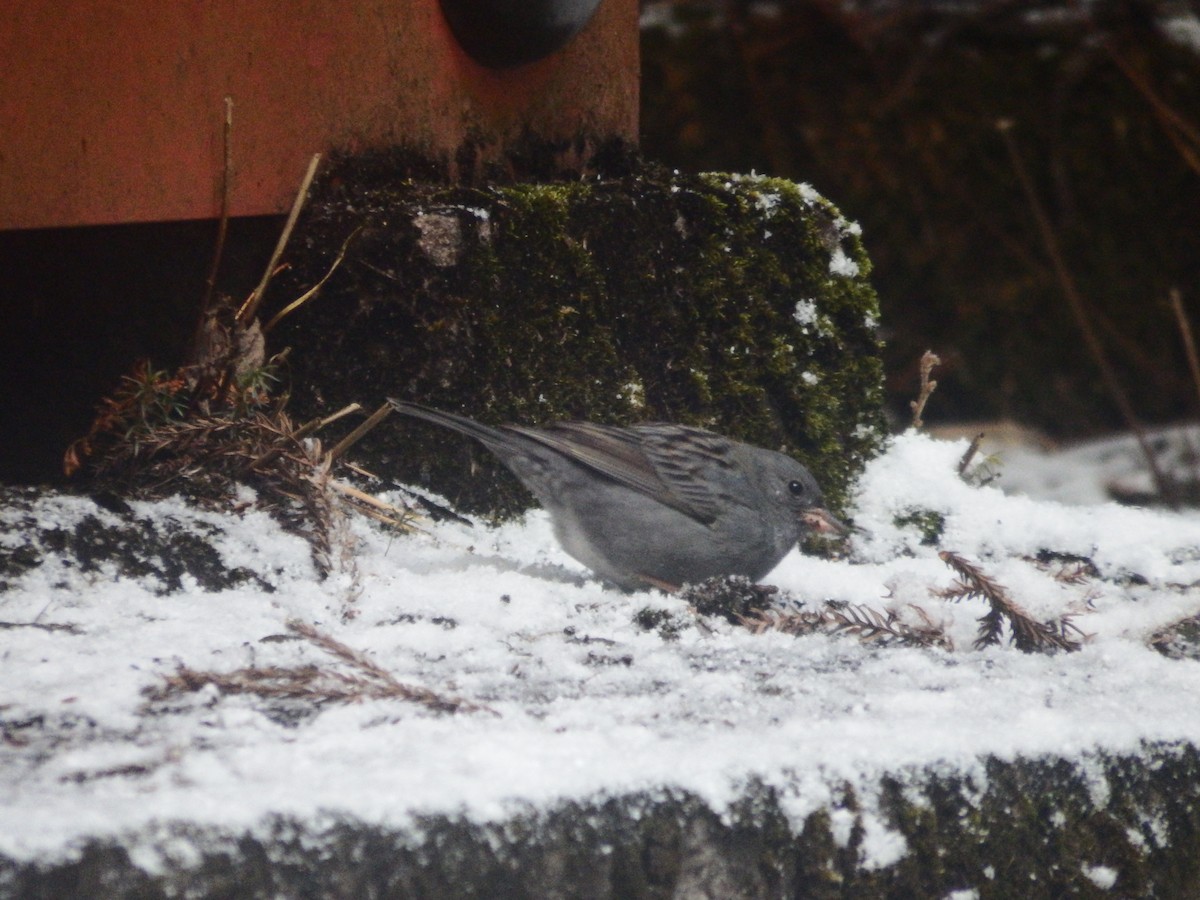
x=656 y=504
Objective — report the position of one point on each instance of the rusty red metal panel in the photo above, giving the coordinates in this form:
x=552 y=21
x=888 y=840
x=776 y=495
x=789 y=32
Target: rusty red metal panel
x=112 y=110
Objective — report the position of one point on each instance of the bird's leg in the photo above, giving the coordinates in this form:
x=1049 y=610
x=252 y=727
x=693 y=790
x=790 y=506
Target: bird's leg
x=664 y=586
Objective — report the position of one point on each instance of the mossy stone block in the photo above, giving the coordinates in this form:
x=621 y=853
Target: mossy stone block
x=737 y=303
x=1098 y=825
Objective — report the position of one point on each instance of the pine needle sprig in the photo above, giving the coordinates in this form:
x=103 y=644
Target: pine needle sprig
x=1027 y=633
x=868 y=625
x=366 y=680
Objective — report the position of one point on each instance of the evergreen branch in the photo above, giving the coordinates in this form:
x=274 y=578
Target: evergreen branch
x=1027 y=634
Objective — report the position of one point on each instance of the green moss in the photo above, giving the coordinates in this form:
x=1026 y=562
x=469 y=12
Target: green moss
x=930 y=523
x=902 y=130
x=669 y=625
x=736 y=303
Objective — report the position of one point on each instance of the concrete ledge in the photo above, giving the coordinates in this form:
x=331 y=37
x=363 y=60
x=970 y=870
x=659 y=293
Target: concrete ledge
x=1115 y=826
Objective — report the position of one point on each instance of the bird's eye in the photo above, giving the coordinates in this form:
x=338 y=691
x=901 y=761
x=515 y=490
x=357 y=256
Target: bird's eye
x=796 y=488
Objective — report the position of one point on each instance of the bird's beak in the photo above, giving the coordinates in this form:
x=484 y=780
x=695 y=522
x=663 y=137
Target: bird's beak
x=822 y=521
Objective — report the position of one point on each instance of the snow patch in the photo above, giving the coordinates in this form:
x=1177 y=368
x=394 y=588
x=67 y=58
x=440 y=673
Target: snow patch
x=586 y=702
x=842 y=265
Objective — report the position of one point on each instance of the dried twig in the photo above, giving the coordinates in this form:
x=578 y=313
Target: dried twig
x=315 y=289
x=322 y=514
x=214 y=423
x=250 y=308
x=369 y=505
x=929 y=360
x=43 y=626
x=208 y=455
x=357 y=434
x=1028 y=634
x=298 y=434
x=972 y=449
x=1185 y=332
x=1182 y=133
x=317 y=424
x=1079 y=310
x=223 y=222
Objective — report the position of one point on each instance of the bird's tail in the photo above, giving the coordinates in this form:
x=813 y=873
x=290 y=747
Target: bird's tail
x=488 y=436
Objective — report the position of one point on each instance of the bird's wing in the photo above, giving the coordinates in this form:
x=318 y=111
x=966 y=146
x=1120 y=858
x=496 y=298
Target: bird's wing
x=692 y=476
x=640 y=458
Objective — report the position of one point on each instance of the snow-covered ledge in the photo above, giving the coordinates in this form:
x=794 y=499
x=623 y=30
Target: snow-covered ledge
x=186 y=707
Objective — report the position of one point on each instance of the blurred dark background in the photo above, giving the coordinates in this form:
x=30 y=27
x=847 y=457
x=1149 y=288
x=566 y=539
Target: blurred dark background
x=892 y=111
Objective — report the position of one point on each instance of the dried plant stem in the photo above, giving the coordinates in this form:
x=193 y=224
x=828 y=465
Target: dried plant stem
x=250 y=307
x=316 y=288
x=223 y=223
x=929 y=360
x=1182 y=133
x=317 y=424
x=969 y=455
x=1189 y=339
x=357 y=434
x=297 y=435
x=387 y=513
x=1079 y=310
x=49 y=626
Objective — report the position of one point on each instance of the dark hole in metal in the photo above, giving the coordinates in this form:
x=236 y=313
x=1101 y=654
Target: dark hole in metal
x=505 y=33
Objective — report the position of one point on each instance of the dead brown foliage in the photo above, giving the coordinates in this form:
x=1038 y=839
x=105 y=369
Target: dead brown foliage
x=365 y=680
x=1026 y=633
x=871 y=626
